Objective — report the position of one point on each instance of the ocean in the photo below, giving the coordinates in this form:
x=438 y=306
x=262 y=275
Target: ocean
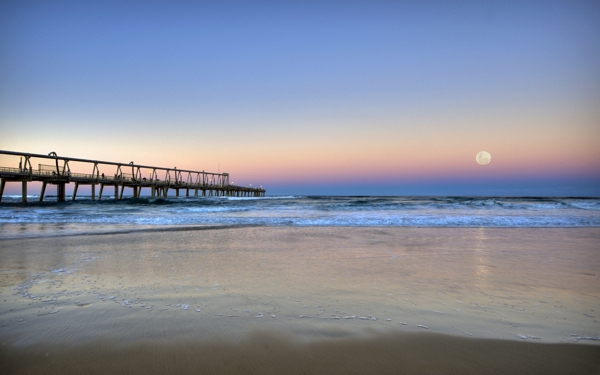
x=85 y=215
x=296 y=284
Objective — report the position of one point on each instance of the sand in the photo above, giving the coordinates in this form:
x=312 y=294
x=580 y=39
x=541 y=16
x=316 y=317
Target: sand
x=303 y=300
x=264 y=353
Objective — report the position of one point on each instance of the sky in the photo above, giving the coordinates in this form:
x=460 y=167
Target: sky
x=313 y=97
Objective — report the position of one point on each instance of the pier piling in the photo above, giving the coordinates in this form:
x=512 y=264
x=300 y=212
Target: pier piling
x=43 y=191
x=24 y=191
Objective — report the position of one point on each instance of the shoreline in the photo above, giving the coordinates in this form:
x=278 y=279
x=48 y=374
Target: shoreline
x=157 y=228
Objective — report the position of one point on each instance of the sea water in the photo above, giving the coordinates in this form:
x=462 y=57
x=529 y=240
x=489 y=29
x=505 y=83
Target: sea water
x=87 y=216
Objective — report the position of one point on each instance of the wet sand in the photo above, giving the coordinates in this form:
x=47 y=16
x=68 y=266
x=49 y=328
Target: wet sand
x=264 y=353
x=303 y=300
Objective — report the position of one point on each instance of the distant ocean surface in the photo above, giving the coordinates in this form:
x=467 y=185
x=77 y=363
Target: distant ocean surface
x=84 y=215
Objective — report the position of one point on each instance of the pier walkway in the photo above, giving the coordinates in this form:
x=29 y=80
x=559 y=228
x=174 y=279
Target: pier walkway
x=56 y=171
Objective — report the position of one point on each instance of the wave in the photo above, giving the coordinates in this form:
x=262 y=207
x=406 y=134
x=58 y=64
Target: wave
x=101 y=232
x=328 y=220
x=311 y=211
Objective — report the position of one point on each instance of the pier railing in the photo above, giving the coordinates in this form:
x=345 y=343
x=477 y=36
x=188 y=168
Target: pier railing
x=9 y=170
x=128 y=175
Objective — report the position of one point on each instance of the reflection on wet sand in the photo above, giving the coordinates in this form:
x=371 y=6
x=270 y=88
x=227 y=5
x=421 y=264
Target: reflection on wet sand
x=310 y=284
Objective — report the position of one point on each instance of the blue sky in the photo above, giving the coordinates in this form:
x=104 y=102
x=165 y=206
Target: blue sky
x=372 y=97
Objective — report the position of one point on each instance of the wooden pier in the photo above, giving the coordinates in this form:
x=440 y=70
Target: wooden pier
x=55 y=170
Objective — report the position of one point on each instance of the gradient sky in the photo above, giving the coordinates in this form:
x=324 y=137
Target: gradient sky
x=315 y=97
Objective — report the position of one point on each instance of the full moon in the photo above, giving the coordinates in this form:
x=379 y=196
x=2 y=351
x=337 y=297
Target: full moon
x=483 y=157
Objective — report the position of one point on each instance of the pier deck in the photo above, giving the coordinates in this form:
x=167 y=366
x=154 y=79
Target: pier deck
x=123 y=175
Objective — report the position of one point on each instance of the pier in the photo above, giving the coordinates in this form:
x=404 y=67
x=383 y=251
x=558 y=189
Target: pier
x=55 y=170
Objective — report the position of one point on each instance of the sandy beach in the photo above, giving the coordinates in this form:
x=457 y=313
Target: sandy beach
x=303 y=300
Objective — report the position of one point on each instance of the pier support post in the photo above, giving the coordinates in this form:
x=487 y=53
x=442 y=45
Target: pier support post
x=24 y=191
x=195 y=192
x=101 y=188
x=165 y=192
x=176 y=192
x=122 y=188
x=2 y=183
x=43 y=191
x=152 y=191
x=75 y=190
x=116 y=191
x=60 y=192
x=187 y=192
x=93 y=192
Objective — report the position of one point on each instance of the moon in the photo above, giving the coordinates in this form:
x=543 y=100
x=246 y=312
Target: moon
x=483 y=157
